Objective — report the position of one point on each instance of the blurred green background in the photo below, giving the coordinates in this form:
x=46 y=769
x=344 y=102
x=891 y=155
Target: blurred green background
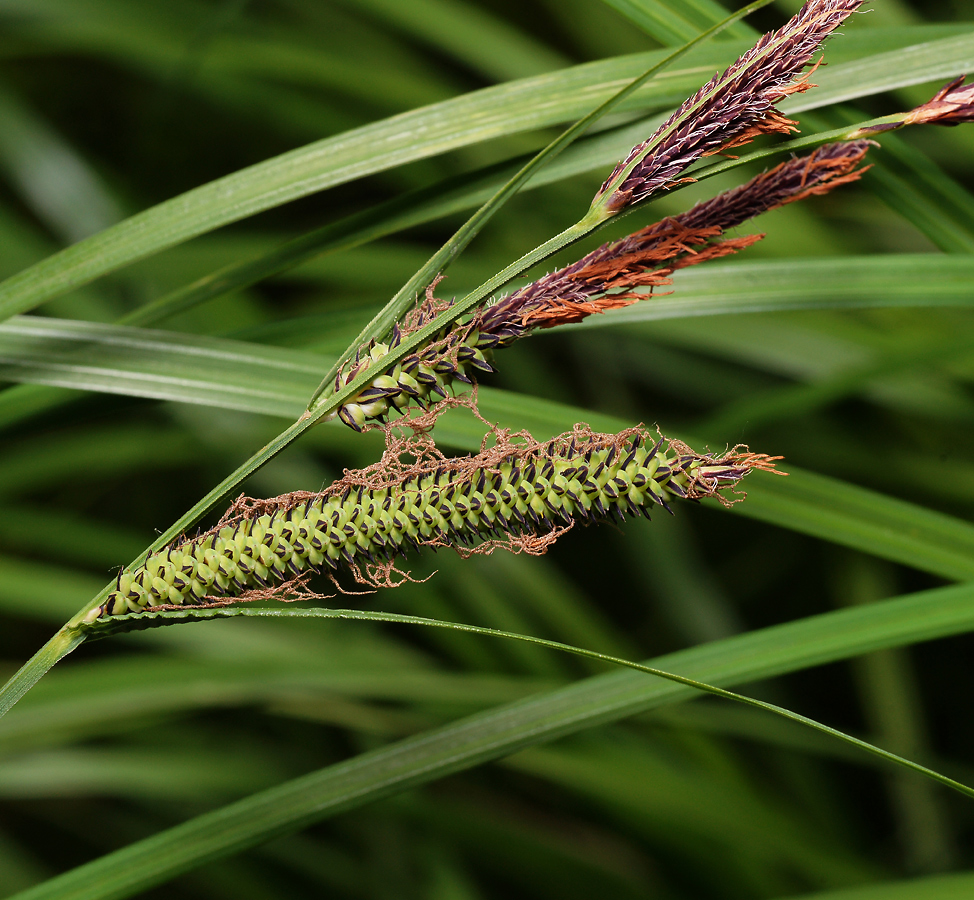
x=108 y=107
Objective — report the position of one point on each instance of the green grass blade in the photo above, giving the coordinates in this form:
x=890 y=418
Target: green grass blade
x=910 y=183
x=158 y=364
x=668 y=28
x=59 y=646
x=847 y=282
x=957 y=886
x=150 y=619
x=501 y=731
x=507 y=109
x=471 y=35
x=874 y=523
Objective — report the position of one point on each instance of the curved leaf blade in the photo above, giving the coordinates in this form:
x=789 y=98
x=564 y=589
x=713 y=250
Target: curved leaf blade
x=482 y=115
x=503 y=730
x=845 y=282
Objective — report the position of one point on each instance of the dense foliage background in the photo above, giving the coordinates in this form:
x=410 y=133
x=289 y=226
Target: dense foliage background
x=108 y=107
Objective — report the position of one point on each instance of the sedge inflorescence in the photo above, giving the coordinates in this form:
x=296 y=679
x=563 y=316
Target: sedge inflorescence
x=515 y=494
x=612 y=276
x=424 y=377
x=520 y=493
x=731 y=109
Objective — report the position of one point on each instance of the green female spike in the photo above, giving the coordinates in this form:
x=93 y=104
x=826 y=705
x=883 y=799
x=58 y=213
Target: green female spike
x=523 y=495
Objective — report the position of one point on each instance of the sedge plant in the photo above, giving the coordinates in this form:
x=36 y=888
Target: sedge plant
x=407 y=375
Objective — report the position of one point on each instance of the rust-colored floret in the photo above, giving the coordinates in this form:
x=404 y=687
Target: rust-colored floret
x=953 y=104
x=606 y=278
x=729 y=110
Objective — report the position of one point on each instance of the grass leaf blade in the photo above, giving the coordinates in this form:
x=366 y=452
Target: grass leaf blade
x=503 y=730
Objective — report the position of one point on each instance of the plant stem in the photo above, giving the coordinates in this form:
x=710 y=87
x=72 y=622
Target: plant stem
x=59 y=646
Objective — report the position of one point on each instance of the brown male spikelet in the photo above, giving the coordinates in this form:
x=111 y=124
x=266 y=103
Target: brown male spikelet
x=729 y=110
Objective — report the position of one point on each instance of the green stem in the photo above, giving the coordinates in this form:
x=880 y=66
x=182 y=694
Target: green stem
x=879 y=126
x=803 y=143
x=39 y=665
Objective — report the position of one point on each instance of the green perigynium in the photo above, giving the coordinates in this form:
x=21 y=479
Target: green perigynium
x=521 y=494
x=456 y=354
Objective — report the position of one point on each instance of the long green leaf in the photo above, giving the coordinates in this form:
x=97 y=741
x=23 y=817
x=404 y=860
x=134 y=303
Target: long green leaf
x=847 y=282
x=123 y=623
x=675 y=22
x=471 y=35
x=874 y=523
x=501 y=731
x=160 y=364
x=519 y=106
